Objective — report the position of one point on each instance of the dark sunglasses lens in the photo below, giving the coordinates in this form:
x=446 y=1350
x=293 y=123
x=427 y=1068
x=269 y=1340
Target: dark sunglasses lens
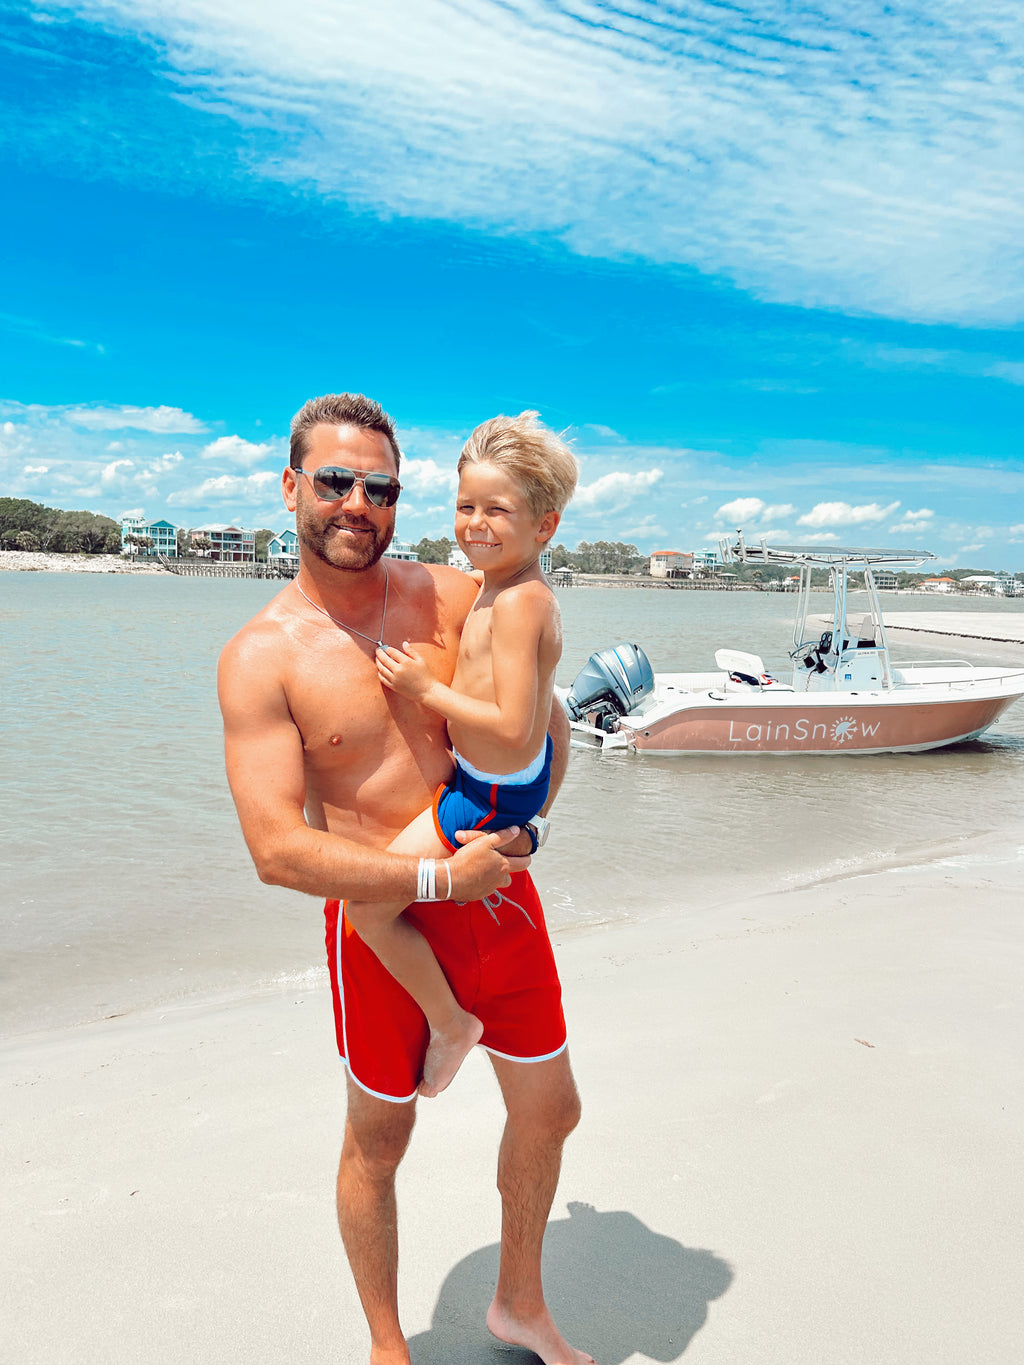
x=381 y=491
x=332 y=484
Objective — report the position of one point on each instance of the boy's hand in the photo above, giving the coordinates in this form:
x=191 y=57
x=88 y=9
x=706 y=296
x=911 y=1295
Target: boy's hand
x=404 y=671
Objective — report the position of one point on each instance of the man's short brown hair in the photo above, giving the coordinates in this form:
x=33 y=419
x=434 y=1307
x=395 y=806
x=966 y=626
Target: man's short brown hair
x=340 y=410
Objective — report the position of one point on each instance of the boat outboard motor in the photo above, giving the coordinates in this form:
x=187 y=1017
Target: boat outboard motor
x=609 y=684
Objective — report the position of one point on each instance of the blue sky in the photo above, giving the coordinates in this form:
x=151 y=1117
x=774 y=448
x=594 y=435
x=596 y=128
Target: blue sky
x=764 y=260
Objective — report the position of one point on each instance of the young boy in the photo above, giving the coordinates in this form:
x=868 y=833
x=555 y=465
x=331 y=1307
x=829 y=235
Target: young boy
x=515 y=478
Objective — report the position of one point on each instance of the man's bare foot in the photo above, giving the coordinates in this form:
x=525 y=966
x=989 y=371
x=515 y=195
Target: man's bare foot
x=539 y=1335
x=381 y=1355
x=447 y=1050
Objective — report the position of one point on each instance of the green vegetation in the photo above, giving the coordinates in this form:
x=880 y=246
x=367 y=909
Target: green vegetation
x=434 y=551
x=263 y=539
x=26 y=525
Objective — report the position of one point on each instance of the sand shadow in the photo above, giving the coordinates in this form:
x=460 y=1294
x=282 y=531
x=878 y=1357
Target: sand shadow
x=614 y=1287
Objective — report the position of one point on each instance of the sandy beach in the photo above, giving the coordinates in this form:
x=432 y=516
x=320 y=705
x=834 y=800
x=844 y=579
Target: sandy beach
x=31 y=561
x=800 y=1143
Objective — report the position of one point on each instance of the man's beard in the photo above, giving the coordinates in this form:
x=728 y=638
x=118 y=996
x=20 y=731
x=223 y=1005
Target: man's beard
x=316 y=536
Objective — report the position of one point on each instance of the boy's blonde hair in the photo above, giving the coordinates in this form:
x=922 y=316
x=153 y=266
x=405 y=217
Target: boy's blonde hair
x=537 y=459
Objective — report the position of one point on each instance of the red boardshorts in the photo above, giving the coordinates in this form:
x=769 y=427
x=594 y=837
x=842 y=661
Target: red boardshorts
x=499 y=965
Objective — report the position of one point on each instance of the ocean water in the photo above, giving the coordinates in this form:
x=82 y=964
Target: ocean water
x=125 y=884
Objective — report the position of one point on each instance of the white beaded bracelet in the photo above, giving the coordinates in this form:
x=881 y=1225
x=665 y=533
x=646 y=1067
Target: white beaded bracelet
x=426 y=880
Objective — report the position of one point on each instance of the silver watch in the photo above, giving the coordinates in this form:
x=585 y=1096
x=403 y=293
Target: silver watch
x=538 y=829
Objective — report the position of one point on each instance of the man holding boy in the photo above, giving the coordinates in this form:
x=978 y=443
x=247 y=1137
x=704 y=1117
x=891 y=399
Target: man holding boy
x=326 y=767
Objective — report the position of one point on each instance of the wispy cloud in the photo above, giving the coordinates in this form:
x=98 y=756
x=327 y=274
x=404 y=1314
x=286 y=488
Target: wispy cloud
x=233 y=450
x=862 y=157
x=843 y=514
x=742 y=510
x=619 y=485
x=162 y=419
x=234 y=488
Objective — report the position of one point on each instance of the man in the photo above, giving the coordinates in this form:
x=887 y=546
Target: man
x=326 y=767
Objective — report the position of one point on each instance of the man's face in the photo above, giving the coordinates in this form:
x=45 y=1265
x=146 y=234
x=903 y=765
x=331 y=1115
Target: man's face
x=350 y=533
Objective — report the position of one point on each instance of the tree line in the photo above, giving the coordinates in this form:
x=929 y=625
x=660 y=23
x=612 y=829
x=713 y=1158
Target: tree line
x=26 y=525
x=604 y=556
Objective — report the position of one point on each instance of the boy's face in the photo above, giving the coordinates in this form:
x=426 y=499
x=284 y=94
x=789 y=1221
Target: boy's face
x=493 y=524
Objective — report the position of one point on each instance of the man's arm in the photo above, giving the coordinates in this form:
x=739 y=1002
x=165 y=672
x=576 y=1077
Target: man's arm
x=266 y=773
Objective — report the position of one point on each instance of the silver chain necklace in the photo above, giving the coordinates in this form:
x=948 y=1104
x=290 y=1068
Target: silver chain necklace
x=345 y=626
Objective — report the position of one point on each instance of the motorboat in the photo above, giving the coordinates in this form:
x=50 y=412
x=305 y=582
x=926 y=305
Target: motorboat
x=842 y=692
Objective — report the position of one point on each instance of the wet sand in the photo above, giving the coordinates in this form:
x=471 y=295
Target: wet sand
x=800 y=1143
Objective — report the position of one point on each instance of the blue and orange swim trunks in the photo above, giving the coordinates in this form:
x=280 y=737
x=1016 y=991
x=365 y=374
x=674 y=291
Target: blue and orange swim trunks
x=478 y=800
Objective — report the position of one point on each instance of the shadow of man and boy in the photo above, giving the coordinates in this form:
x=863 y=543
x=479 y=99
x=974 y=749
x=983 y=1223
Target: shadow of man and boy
x=614 y=1287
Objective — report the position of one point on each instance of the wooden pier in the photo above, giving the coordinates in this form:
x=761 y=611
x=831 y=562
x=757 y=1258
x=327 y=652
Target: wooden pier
x=212 y=568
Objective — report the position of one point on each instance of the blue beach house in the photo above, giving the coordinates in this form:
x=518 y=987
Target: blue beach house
x=163 y=534
x=283 y=549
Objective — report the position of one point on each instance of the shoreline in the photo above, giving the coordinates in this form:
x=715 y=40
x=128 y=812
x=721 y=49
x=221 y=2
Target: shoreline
x=39 y=561
x=822 y=1073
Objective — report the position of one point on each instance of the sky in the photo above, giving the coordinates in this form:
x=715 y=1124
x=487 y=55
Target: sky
x=763 y=261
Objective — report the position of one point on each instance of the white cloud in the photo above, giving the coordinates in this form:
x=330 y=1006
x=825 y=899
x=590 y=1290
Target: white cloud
x=861 y=157
x=427 y=476
x=617 y=486
x=742 y=510
x=913 y=522
x=165 y=464
x=235 y=450
x=246 y=489
x=115 y=471
x=161 y=419
x=842 y=514
x=31 y=470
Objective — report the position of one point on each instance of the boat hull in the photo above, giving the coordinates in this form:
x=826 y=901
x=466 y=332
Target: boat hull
x=805 y=724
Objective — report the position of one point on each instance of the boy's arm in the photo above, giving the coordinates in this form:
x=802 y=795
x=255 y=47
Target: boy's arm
x=518 y=623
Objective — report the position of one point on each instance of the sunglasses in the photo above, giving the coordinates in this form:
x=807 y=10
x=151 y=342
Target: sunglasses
x=333 y=482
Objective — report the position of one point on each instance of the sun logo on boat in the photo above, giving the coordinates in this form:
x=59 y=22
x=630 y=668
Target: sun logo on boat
x=843 y=729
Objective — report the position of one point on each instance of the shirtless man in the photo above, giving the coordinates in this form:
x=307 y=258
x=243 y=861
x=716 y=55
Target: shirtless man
x=326 y=767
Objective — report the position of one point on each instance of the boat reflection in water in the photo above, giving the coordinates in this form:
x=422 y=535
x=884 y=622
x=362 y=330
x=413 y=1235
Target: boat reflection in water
x=844 y=694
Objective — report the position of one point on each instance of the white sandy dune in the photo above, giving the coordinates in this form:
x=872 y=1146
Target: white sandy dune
x=801 y=1144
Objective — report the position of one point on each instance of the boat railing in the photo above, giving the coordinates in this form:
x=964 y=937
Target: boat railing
x=968 y=672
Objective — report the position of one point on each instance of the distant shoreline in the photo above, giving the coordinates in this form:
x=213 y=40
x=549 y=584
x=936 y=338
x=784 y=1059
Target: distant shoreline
x=35 y=561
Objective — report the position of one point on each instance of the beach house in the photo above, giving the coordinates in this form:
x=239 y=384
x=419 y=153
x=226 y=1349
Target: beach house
x=163 y=534
x=671 y=564
x=398 y=549
x=283 y=549
x=227 y=544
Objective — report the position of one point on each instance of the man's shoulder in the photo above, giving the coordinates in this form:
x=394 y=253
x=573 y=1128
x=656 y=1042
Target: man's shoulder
x=451 y=586
x=266 y=634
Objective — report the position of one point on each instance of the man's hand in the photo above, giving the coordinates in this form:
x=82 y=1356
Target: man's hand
x=404 y=672
x=485 y=854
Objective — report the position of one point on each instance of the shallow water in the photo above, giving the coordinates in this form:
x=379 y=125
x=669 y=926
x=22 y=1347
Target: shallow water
x=125 y=881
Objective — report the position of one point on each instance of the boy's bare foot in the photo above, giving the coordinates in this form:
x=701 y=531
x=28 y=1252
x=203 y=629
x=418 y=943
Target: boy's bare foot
x=447 y=1050
x=538 y=1334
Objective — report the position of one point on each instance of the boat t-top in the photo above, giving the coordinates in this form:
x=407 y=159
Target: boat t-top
x=843 y=693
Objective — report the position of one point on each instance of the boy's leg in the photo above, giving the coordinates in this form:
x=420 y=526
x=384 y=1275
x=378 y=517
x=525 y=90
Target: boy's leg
x=408 y=957
x=543 y=1108
x=376 y=1136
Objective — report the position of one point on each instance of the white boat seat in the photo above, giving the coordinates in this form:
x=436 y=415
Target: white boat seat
x=735 y=661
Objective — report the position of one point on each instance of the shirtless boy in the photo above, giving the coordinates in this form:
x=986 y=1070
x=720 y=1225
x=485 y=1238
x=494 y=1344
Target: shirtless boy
x=515 y=480
x=326 y=767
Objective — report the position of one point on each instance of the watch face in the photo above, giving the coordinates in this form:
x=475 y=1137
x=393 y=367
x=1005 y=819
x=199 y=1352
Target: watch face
x=540 y=828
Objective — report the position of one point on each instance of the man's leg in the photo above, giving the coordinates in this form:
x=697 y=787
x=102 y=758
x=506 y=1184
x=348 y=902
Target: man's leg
x=543 y=1108
x=376 y=1136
